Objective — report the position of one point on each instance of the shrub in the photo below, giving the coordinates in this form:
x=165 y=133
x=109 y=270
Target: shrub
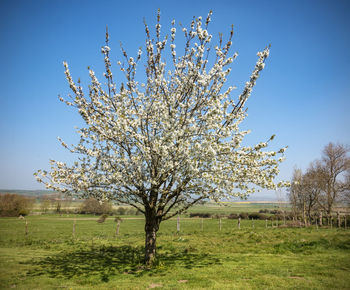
x=118 y=219
x=279 y=216
x=275 y=211
x=15 y=205
x=71 y=211
x=102 y=218
x=244 y=215
x=121 y=210
x=257 y=216
x=200 y=214
x=131 y=211
x=289 y=216
x=93 y=206
x=272 y=217
x=233 y=216
x=347 y=221
x=217 y=216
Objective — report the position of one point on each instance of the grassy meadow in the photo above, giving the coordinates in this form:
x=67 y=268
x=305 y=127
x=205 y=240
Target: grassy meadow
x=253 y=257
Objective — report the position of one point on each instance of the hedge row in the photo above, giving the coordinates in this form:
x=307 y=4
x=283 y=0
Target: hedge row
x=242 y=215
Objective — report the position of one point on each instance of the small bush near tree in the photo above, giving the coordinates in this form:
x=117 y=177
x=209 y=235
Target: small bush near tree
x=15 y=205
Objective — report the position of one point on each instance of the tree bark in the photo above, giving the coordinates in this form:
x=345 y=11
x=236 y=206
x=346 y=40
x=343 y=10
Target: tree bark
x=151 y=229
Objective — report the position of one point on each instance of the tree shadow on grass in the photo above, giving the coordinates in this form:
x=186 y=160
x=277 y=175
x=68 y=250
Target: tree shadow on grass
x=106 y=261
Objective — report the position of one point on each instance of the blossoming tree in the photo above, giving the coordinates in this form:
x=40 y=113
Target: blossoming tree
x=169 y=142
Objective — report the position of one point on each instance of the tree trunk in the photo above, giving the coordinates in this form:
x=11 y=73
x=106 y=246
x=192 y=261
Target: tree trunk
x=73 y=233
x=151 y=229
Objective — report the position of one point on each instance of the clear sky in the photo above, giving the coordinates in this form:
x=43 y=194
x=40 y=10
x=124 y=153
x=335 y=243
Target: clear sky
x=303 y=95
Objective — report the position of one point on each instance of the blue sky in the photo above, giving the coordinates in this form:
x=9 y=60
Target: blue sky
x=303 y=95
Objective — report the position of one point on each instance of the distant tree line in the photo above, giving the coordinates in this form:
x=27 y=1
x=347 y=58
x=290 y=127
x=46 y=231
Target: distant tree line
x=313 y=194
x=93 y=206
x=261 y=215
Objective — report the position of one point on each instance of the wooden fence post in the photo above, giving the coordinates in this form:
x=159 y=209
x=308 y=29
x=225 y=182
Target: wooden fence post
x=265 y=223
x=118 y=226
x=321 y=219
x=331 y=222
x=239 y=223
x=73 y=233
x=178 y=224
x=345 y=222
x=26 y=228
x=220 y=224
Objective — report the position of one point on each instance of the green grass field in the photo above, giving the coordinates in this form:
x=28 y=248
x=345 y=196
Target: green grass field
x=249 y=258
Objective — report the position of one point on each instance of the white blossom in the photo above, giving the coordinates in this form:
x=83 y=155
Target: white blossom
x=173 y=139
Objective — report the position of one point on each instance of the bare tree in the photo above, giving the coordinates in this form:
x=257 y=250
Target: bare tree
x=45 y=204
x=345 y=198
x=311 y=192
x=331 y=175
x=281 y=203
x=325 y=182
x=304 y=193
x=295 y=193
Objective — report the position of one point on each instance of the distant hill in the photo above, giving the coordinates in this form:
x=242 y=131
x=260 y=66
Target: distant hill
x=34 y=193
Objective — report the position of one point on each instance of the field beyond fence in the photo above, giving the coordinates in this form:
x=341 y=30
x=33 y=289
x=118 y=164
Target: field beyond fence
x=77 y=252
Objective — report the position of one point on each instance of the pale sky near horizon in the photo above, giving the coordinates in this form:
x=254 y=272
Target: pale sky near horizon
x=302 y=96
